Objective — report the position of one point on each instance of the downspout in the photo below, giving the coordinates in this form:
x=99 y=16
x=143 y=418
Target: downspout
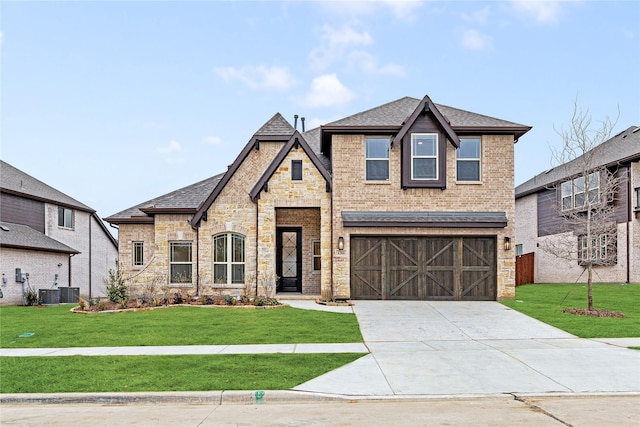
x=256 y=261
x=69 y=266
x=629 y=217
x=198 y=261
x=331 y=243
x=90 y=259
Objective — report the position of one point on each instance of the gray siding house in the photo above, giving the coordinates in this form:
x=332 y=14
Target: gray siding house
x=55 y=239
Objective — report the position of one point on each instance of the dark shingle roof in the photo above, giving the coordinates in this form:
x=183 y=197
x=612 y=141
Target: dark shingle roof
x=24 y=237
x=313 y=139
x=189 y=197
x=396 y=112
x=13 y=180
x=623 y=147
x=276 y=126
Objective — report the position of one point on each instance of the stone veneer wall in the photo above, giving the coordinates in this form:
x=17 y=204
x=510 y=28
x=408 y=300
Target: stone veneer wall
x=634 y=227
x=310 y=192
x=352 y=193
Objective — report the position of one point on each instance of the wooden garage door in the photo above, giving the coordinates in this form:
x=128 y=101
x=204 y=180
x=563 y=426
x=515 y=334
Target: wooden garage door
x=423 y=268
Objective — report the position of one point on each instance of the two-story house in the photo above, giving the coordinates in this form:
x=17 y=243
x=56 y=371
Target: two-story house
x=408 y=200
x=545 y=203
x=55 y=239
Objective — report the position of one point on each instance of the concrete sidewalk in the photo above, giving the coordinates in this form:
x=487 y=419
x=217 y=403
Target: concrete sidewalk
x=424 y=349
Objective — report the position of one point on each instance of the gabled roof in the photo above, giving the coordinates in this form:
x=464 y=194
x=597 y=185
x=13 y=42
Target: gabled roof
x=186 y=199
x=24 y=237
x=296 y=139
x=270 y=131
x=390 y=117
x=622 y=148
x=14 y=181
x=425 y=106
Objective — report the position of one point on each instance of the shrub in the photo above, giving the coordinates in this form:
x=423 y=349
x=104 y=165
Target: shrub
x=31 y=297
x=116 y=286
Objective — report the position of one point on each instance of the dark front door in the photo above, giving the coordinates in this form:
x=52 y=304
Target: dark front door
x=289 y=259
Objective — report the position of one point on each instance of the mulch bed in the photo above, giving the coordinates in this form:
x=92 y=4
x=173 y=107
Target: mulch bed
x=596 y=312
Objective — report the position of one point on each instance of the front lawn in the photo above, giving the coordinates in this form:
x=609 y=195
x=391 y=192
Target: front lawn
x=86 y=374
x=546 y=302
x=56 y=326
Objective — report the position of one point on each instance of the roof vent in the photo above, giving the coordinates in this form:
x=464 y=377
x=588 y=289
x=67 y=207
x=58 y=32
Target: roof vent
x=295 y=121
x=635 y=130
x=302 y=120
x=4 y=228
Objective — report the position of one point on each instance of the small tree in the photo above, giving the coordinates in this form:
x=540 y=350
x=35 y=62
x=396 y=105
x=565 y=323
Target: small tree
x=116 y=286
x=587 y=197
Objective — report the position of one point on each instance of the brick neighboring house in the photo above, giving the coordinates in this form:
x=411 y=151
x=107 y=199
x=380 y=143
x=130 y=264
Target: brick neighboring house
x=408 y=200
x=57 y=240
x=539 y=207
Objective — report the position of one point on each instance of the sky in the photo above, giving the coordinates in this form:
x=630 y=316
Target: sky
x=117 y=102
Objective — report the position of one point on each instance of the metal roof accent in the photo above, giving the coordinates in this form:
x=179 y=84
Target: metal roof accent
x=425 y=219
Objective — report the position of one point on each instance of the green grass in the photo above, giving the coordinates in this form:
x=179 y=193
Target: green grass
x=164 y=373
x=546 y=302
x=56 y=326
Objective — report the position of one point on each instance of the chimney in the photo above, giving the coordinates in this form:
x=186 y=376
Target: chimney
x=302 y=120
x=295 y=121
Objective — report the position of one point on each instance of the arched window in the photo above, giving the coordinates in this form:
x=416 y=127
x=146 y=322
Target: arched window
x=228 y=259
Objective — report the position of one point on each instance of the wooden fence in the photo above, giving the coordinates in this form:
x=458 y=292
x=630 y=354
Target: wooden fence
x=524 y=269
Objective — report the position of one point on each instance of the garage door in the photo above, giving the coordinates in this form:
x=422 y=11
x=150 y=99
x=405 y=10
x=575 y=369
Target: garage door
x=423 y=268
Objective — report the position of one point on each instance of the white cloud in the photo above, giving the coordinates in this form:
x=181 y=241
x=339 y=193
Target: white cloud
x=474 y=40
x=400 y=9
x=404 y=9
x=335 y=43
x=212 y=140
x=259 y=77
x=327 y=91
x=173 y=147
x=368 y=63
x=544 y=11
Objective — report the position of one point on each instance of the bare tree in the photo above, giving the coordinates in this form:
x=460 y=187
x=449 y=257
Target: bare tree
x=586 y=197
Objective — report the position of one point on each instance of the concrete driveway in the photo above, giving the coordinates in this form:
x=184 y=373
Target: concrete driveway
x=473 y=348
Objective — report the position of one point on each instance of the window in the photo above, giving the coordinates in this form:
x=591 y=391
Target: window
x=574 y=192
x=180 y=262
x=228 y=259
x=468 y=160
x=601 y=251
x=317 y=260
x=377 y=159
x=638 y=199
x=138 y=254
x=296 y=170
x=65 y=217
x=519 y=250
x=424 y=156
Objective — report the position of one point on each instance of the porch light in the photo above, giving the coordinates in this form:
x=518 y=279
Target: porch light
x=507 y=243
x=340 y=243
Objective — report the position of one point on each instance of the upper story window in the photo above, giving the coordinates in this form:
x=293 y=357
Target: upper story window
x=180 y=262
x=637 y=199
x=228 y=259
x=577 y=191
x=65 y=217
x=377 y=158
x=468 y=160
x=296 y=170
x=424 y=156
x=138 y=254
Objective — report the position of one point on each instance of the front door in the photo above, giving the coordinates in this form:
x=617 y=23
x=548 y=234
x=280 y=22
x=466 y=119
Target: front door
x=289 y=259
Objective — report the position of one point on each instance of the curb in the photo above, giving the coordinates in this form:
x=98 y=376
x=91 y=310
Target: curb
x=260 y=397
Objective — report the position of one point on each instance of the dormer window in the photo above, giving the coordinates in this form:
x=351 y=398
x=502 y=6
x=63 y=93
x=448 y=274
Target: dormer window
x=424 y=156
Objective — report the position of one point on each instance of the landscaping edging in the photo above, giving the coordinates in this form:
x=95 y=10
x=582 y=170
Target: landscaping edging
x=78 y=309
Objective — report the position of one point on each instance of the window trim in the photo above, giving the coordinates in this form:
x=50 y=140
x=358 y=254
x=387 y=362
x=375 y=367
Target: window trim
x=229 y=262
x=470 y=159
x=190 y=262
x=435 y=157
x=294 y=177
x=406 y=162
x=637 y=207
x=388 y=159
x=64 y=218
x=134 y=258
x=315 y=255
x=586 y=190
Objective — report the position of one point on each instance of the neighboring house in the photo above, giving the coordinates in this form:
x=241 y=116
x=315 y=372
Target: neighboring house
x=55 y=239
x=542 y=201
x=408 y=200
